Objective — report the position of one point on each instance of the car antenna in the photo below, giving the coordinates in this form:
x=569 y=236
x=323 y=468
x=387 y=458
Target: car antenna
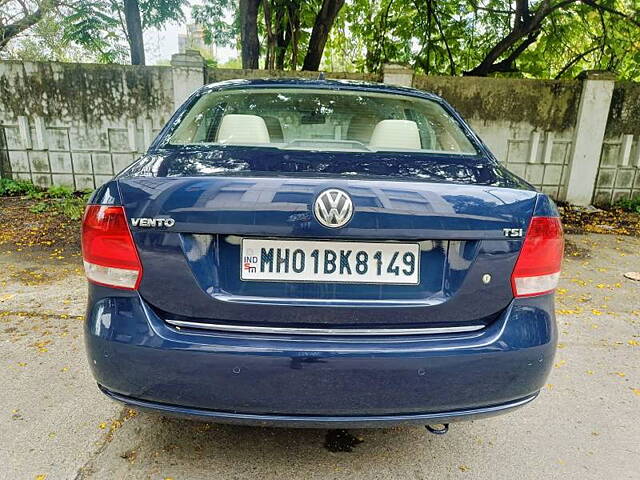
x=321 y=76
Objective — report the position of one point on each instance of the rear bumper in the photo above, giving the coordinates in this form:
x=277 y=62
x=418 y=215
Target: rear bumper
x=317 y=421
x=138 y=359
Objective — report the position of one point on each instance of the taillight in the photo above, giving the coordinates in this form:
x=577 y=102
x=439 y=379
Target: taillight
x=537 y=270
x=109 y=254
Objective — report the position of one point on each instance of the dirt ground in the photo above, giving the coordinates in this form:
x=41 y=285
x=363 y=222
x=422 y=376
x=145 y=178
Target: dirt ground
x=25 y=230
x=55 y=424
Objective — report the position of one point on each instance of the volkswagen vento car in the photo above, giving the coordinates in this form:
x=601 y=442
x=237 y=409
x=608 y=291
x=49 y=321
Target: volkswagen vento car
x=320 y=253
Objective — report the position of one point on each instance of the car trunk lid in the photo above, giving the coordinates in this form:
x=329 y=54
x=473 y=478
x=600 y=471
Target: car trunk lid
x=192 y=269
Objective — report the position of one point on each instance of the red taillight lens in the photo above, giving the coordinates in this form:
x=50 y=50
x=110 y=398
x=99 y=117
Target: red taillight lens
x=109 y=254
x=537 y=270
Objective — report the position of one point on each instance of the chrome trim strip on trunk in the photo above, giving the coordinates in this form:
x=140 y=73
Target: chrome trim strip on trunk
x=304 y=302
x=324 y=331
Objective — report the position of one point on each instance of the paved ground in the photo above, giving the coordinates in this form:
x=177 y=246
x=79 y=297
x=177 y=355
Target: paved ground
x=54 y=422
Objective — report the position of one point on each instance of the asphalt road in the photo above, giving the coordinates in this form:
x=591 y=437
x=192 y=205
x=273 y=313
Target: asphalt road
x=55 y=424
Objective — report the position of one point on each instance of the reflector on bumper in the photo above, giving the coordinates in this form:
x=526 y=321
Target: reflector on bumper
x=111 y=276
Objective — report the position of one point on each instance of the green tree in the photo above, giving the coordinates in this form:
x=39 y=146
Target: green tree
x=101 y=25
x=44 y=43
x=92 y=25
x=16 y=16
x=286 y=27
x=546 y=38
x=529 y=38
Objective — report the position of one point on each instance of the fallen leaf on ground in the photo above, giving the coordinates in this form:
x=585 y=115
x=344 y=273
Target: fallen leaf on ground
x=633 y=276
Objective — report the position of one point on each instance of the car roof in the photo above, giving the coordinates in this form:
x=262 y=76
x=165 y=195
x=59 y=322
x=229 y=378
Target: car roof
x=329 y=84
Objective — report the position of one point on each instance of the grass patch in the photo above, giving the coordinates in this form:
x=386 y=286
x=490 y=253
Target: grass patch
x=629 y=204
x=16 y=188
x=57 y=200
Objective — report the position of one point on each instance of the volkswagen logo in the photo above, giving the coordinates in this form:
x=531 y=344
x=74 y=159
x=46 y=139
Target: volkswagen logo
x=333 y=208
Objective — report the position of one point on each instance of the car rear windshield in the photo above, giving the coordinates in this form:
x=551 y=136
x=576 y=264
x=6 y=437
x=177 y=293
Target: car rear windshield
x=314 y=119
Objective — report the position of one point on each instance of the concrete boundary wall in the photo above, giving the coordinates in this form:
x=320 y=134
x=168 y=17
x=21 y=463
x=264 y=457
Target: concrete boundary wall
x=619 y=166
x=528 y=124
x=79 y=124
x=222 y=74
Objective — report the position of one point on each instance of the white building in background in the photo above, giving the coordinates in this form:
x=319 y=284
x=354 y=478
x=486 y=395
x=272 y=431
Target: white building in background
x=194 y=40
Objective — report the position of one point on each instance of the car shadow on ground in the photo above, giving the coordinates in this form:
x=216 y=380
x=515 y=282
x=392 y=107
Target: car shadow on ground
x=288 y=441
x=189 y=448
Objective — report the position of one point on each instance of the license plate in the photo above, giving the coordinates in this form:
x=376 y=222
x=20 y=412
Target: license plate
x=324 y=261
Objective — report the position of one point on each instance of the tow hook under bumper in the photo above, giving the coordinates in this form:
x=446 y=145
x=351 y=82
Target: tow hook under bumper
x=438 y=428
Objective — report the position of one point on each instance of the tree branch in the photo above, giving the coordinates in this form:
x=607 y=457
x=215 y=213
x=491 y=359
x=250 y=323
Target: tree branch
x=452 y=64
x=612 y=11
x=11 y=30
x=476 y=6
x=525 y=24
x=507 y=65
x=575 y=60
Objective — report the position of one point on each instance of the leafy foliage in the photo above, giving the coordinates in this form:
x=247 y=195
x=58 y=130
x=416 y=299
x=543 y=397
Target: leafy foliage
x=582 y=37
x=156 y=13
x=289 y=21
x=456 y=36
x=100 y=27
x=212 y=16
x=56 y=200
x=629 y=204
x=93 y=25
x=18 y=16
x=524 y=38
x=45 y=43
x=15 y=188
x=61 y=200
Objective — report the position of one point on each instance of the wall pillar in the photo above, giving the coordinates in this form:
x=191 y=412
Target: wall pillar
x=395 y=74
x=595 y=100
x=188 y=72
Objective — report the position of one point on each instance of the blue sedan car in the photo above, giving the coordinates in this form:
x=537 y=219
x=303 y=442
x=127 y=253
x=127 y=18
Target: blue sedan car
x=320 y=254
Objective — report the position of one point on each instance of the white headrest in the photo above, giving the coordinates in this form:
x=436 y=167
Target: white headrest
x=392 y=134
x=238 y=129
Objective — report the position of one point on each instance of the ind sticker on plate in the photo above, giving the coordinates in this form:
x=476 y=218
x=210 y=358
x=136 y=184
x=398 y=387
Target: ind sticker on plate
x=328 y=261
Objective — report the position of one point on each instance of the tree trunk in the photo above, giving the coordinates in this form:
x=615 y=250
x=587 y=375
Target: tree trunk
x=320 y=33
x=283 y=36
x=283 y=41
x=526 y=27
x=376 y=54
x=134 y=31
x=294 y=24
x=249 y=33
x=273 y=29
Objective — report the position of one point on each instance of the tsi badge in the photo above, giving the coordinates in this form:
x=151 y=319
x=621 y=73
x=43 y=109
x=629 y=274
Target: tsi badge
x=512 y=232
x=152 y=222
